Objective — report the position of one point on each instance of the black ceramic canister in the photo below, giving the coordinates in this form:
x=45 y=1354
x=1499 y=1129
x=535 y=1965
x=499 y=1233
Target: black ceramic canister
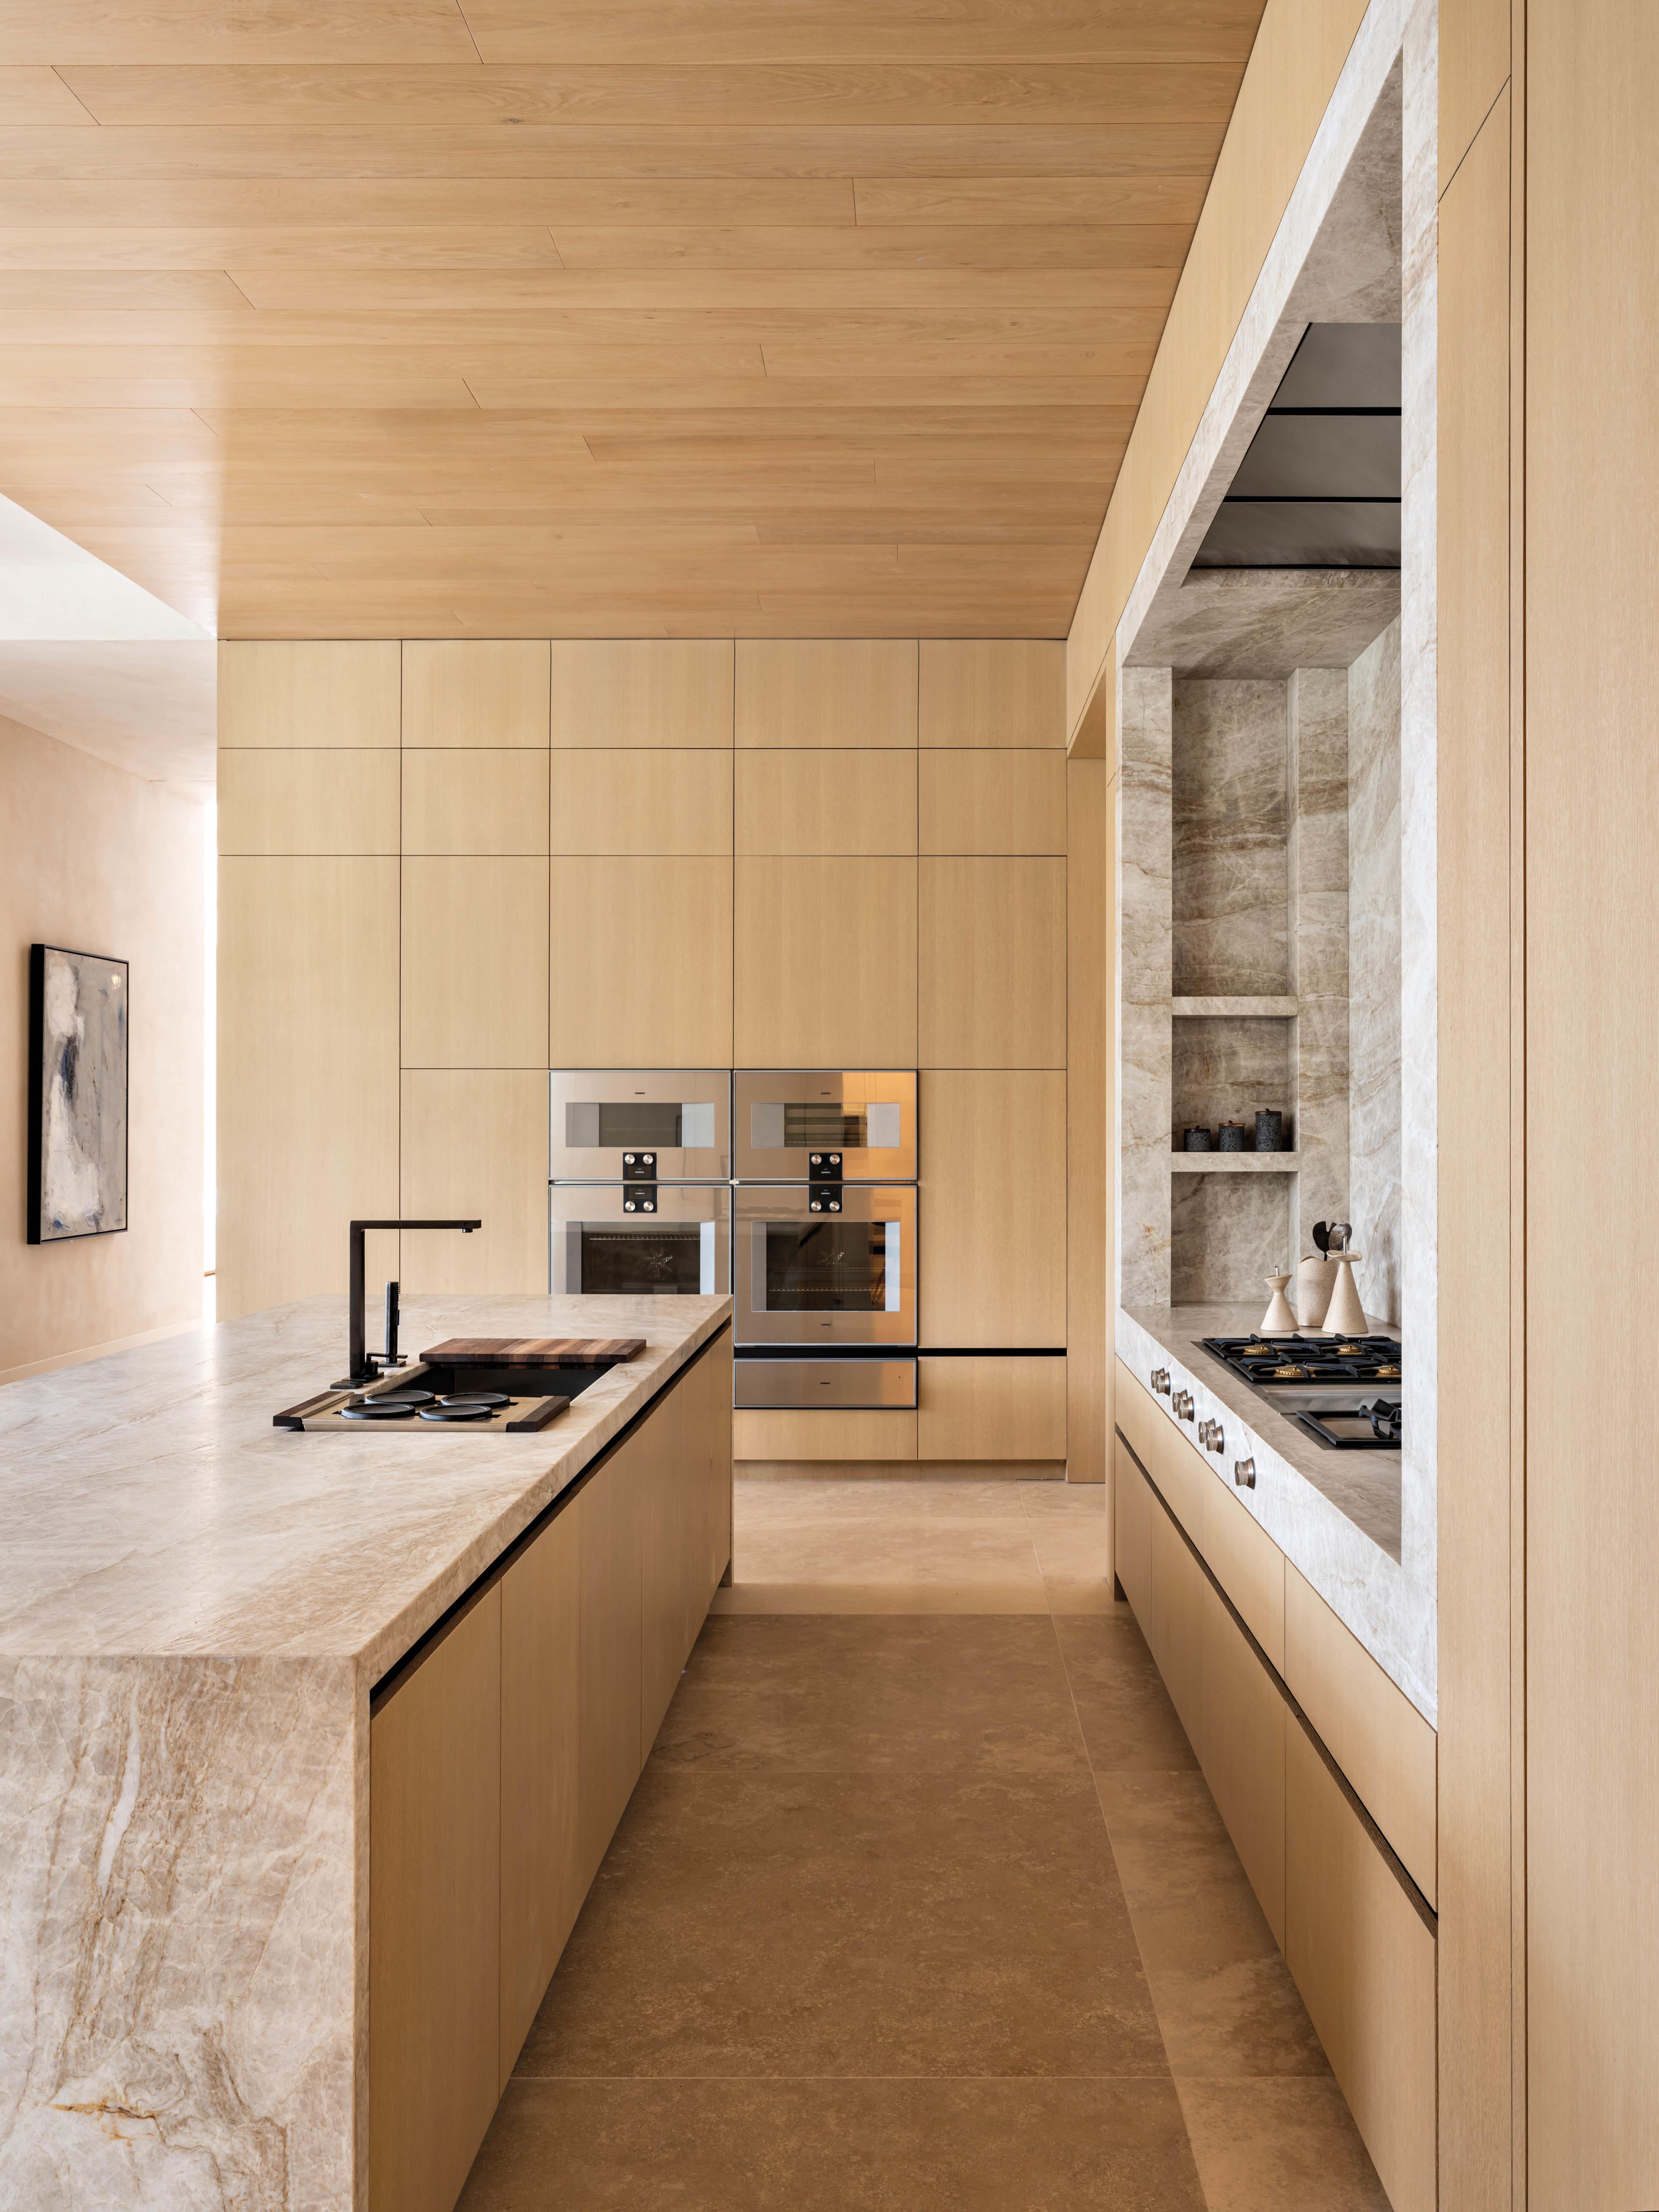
x=1269 y=1130
x=1232 y=1137
x=1196 y=1140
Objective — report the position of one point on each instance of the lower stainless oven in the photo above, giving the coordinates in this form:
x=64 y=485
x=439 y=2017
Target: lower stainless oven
x=665 y=1240
x=816 y=1266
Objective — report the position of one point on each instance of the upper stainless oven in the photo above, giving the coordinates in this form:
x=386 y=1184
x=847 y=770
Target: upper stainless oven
x=835 y=1124
x=825 y=1265
x=639 y=1240
x=640 y=1124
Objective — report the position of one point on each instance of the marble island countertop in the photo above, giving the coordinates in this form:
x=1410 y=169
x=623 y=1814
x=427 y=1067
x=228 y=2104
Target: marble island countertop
x=150 y=1506
x=1335 y=1515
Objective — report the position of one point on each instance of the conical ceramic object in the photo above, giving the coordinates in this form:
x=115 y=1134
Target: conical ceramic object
x=1278 y=1315
x=1315 y=1279
x=1345 y=1315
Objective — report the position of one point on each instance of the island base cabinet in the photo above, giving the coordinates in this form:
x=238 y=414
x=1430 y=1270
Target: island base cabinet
x=610 y=1515
x=433 y=1907
x=1364 y=1962
x=1242 y=1750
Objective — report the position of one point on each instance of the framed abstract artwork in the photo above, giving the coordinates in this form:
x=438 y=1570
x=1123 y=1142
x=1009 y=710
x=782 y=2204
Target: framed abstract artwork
x=78 y=1025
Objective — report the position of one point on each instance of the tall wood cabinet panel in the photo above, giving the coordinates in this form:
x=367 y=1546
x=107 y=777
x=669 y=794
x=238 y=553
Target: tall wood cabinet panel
x=434 y=1916
x=307 y=1098
x=991 y=962
x=475 y=953
x=1478 y=1685
x=641 y=802
x=994 y=803
x=610 y=1751
x=1091 y=989
x=825 y=802
x=308 y=692
x=652 y=691
x=1473 y=57
x=825 y=960
x=541 y=1739
x=826 y=691
x=1591 y=799
x=474 y=1147
x=463 y=691
x=476 y=801
x=993 y=1207
x=1000 y=1408
x=993 y=692
x=339 y=801
x=1365 y=1963
x=640 y=963
x=1240 y=1746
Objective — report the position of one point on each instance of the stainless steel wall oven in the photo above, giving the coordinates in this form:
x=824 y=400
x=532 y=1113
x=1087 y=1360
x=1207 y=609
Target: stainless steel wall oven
x=827 y=1265
x=641 y=1240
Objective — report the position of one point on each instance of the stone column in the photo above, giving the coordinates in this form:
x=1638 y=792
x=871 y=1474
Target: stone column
x=1317 y=775
x=1145 y=942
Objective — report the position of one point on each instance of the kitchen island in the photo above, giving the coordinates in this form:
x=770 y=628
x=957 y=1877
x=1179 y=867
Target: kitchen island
x=196 y=1611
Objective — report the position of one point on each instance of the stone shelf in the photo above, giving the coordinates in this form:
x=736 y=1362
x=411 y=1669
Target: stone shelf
x=1222 y=1009
x=1233 y=1162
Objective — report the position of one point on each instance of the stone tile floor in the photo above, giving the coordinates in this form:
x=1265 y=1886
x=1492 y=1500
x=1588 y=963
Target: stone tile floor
x=921 y=1901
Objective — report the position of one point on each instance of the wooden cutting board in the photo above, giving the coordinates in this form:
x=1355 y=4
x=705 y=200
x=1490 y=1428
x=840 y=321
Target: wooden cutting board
x=535 y=1350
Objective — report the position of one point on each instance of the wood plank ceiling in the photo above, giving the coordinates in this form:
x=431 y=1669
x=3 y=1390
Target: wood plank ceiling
x=399 y=318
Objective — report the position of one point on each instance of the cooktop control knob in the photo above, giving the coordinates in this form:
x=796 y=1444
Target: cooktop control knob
x=1244 y=1474
x=1161 y=1382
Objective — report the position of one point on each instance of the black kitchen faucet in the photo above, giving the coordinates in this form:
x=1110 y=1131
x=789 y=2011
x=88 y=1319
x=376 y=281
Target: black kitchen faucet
x=361 y=1361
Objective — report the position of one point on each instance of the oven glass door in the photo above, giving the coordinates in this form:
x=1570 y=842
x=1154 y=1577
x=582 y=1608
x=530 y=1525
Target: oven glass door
x=674 y=1124
x=599 y=1247
x=793 y=1124
x=807 y=1277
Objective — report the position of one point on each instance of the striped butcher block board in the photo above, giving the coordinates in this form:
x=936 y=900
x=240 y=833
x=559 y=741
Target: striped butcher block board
x=534 y=1351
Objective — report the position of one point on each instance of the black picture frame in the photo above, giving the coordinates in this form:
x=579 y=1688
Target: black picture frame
x=38 y=1229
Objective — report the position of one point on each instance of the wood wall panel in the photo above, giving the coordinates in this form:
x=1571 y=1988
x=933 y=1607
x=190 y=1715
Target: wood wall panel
x=475 y=802
x=657 y=692
x=433 y=1911
x=1473 y=41
x=307 y=1101
x=474 y=1146
x=1365 y=1965
x=340 y=801
x=460 y=692
x=474 y=955
x=993 y=1227
x=824 y=803
x=993 y=692
x=304 y=693
x=541 y=1752
x=1477 y=1684
x=825 y=959
x=991 y=802
x=1000 y=1409
x=640 y=802
x=640 y=963
x=991 y=945
x=1592 y=924
x=845 y=1433
x=819 y=691
x=1091 y=991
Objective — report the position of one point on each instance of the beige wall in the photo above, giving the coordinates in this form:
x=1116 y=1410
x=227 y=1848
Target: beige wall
x=96 y=861
x=446 y=866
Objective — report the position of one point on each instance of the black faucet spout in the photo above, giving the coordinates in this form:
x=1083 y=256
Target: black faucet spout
x=359 y=1366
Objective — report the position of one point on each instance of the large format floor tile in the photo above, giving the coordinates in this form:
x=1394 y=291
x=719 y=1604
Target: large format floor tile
x=1128 y=1721
x=837 y=2146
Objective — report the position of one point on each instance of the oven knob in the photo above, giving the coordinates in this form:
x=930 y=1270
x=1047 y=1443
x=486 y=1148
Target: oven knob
x=816 y=1208
x=835 y=1205
x=1244 y=1474
x=1161 y=1382
x=834 y=1159
x=649 y=1207
x=1181 y=1405
x=627 y=1205
x=818 y=1159
x=628 y=1160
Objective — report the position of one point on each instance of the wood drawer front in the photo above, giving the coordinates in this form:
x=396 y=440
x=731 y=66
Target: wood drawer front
x=1249 y=1566
x=766 y=1433
x=991 y=1408
x=1175 y=1632
x=1242 y=1750
x=1133 y=1510
x=1365 y=1963
x=1176 y=1467
x=1371 y=1728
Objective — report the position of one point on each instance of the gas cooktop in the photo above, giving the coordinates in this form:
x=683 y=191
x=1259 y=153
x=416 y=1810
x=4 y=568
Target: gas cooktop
x=1344 y=1390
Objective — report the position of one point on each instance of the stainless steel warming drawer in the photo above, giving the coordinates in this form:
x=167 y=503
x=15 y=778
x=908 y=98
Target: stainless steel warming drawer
x=824 y=1382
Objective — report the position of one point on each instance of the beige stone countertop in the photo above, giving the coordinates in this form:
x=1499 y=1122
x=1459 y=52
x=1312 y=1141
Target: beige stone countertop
x=1334 y=1514
x=150 y=1507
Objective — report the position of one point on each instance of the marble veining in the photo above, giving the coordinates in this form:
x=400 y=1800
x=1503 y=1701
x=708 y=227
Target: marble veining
x=1144 y=868
x=1227 y=1234
x=1317 y=775
x=1225 y=1068
x=1335 y=1516
x=1228 y=873
x=1374 y=971
x=1266 y=622
x=193 y=1609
